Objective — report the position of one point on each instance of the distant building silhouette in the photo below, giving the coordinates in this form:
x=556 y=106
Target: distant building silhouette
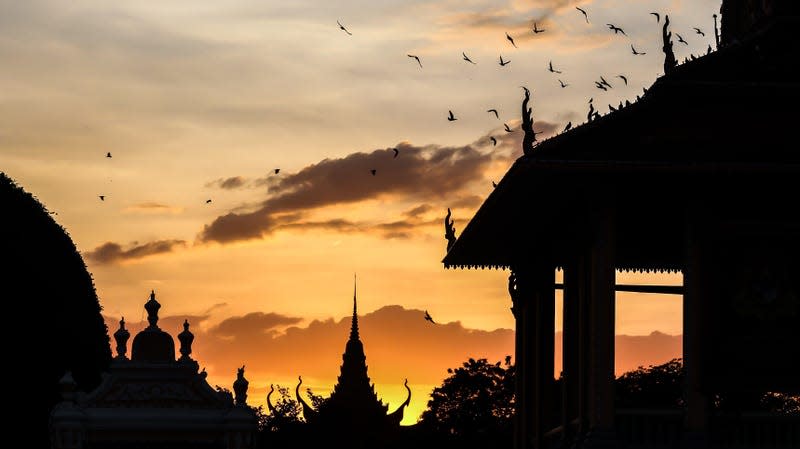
x=153 y=401
x=353 y=416
x=693 y=178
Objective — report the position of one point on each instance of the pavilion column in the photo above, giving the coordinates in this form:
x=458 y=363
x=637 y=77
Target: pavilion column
x=533 y=291
x=601 y=319
x=694 y=339
x=570 y=351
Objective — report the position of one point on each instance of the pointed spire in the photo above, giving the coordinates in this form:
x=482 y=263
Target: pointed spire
x=354 y=322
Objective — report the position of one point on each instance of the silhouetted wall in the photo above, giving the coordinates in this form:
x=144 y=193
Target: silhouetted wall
x=52 y=315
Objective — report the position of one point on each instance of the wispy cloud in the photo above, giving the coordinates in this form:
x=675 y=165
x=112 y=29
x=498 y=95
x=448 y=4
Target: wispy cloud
x=151 y=207
x=111 y=252
x=234 y=182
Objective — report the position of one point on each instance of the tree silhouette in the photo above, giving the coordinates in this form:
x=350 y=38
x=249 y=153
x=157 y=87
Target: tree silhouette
x=657 y=386
x=474 y=406
x=49 y=292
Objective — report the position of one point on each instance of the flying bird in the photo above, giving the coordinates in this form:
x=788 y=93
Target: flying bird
x=428 y=317
x=503 y=63
x=341 y=27
x=633 y=50
x=600 y=85
x=494 y=111
x=511 y=39
x=494 y=141
x=451 y=117
x=494 y=184
x=208 y=201
x=277 y=170
x=508 y=130
x=658 y=16
x=396 y=152
x=536 y=29
x=623 y=78
x=102 y=197
x=551 y=69
x=466 y=58
x=699 y=31
x=616 y=29
x=585 y=16
x=417 y=58
x=108 y=154
x=563 y=84
x=373 y=171
x=568 y=127
x=680 y=39
x=606 y=83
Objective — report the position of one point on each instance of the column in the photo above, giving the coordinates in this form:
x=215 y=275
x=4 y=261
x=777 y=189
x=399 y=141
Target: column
x=544 y=297
x=570 y=351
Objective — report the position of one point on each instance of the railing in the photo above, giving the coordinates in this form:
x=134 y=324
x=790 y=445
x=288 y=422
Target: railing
x=649 y=428
x=756 y=430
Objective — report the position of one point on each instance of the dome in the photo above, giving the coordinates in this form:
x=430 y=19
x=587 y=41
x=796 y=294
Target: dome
x=152 y=344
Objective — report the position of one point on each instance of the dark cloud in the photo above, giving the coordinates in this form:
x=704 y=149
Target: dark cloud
x=234 y=182
x=427 y=173
x=111 y=252
x=251 y=325
x=417 y=211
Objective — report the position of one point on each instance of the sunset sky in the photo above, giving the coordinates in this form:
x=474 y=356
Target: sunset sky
x=204 y=99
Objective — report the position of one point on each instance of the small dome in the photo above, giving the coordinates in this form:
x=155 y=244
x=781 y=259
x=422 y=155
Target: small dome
x=153 y=344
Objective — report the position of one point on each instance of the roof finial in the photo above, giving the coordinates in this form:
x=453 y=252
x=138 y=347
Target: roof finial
x=354 y=322
x=121 y=336
x=152 y=307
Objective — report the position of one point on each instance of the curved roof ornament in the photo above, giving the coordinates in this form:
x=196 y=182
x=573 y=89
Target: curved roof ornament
x=308 y=411
x=396 y=416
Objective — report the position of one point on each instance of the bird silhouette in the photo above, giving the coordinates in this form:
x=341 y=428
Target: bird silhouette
x=605 y=83
x=396 y=152
x=658 y=16
x=208 y=201
x=503 y=63
x=466 y=58
x=102 y=197
x=616 y=29
x=417 y=58
x=511 y=39
x=563 y=84
x=494 y=111
x=623 y=78
x=699 y=31
x=277 y=170
x=600 y=86
x=494 y=184
x=592 y=113
x=551 y=69
x=568 y=127
x=341 y=27
x=451 y=117
x=108 y=154
x=428 y=317
x=612 y=108
x=373 y=171
x=633 y=50
x=585 y=16
x=680 y=39
x=508 y=130
x=494 y=141
x=536 y=29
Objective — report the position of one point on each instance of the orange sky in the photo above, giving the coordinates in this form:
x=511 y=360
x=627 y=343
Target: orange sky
x=203 y=100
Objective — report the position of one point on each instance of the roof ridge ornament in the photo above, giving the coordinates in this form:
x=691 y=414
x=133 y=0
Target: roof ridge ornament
x=669 y=56
x=152 y=307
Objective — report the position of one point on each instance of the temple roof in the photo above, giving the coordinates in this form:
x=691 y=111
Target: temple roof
x=719 y=120
x=153 y=344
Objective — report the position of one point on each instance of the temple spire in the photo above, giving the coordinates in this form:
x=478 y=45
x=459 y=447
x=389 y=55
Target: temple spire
x=354 y=322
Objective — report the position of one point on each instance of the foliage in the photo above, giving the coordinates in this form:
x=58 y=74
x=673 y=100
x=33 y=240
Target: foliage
x=477 y=399
x=657 y=386
x=48 y=289
x=287 y=412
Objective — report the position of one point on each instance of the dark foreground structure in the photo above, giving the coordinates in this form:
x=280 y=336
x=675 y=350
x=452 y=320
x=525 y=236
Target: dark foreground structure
x=700 y=176
x=352 y=416
x=153 y=401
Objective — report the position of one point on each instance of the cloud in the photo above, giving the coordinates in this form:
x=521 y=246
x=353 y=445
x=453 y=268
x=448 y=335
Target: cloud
x=234 y=182
x=151 y=207
x=111 y=252
x=417 y=211
x=424 y=173
x=253 y=324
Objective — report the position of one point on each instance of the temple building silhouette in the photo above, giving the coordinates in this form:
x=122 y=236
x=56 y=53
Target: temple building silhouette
x=352 y=415
x=700 y=176
x=153 y=400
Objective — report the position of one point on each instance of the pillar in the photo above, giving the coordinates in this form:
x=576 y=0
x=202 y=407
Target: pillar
x=570 y=351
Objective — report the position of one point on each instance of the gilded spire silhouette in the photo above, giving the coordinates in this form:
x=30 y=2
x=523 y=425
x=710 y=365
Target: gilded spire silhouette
x=354 y=322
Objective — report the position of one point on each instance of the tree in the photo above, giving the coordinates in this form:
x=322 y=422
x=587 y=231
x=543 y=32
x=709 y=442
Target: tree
x=49 y=292
x=657 y=386
x=475 y=404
